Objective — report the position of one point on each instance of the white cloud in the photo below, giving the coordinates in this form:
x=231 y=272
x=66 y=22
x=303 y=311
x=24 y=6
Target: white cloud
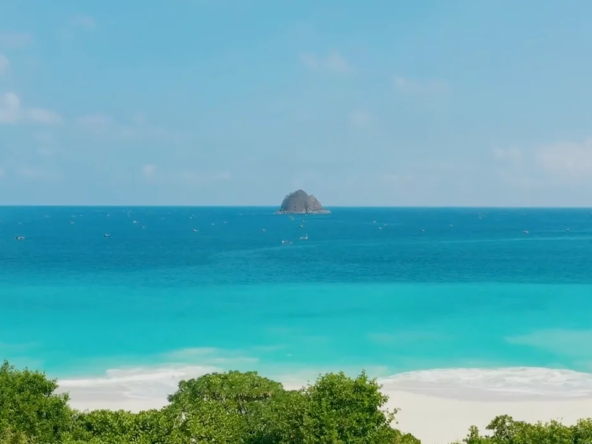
x=359 y=119
x=149 y=170
x=84 y=21
x=566 y=159
x=512 y=155
x=45 y=138
x=48 y=146
x=184 y=178
x=565 y=163
x=95 y=122
x=139 y=119
x=4 y=64
x=10 y=108
x=46 y=151
x=13 y=112
x=413 y=86
x=333 y=62
x=34 y=173
x=45 y=116
x=15 y=40
x=399 y=179
x=105 y=126
x=199 y=178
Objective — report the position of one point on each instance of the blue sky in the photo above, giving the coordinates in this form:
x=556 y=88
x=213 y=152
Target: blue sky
x=221 y=102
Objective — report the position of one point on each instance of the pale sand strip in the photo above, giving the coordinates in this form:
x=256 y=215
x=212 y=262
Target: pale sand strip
x=441 y=421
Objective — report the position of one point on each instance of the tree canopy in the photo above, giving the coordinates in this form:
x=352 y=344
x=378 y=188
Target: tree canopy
x=239 y=408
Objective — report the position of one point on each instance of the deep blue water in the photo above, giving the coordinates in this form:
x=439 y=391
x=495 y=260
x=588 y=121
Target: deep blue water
x=472 y=289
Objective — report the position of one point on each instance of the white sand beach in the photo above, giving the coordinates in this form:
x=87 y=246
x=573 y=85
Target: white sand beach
x=437 y=406
x=442 y=421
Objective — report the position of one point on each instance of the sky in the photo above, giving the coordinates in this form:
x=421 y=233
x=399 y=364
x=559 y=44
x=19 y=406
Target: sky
x=238 y=102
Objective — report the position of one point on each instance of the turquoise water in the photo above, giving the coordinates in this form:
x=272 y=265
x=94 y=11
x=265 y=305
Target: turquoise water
x=470 y=290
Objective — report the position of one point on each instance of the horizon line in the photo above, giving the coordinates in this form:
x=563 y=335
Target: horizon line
x=517 y=207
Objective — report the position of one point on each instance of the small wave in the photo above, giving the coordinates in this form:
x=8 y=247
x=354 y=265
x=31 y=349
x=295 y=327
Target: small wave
x=524 y=383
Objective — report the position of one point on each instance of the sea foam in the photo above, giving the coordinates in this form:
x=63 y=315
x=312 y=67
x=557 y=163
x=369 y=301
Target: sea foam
x=511 y=383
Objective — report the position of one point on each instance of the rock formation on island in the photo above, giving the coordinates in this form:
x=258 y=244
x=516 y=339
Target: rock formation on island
x=300 y=202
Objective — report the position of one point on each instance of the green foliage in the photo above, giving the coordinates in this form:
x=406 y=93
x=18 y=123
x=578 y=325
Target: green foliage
x=9 y=436
x=236 y=391
x=29 y=408
x=337 y=410
x=404 y=438
x=225 y=407
x=118 y=427
x=239 y=408
x=505 y=430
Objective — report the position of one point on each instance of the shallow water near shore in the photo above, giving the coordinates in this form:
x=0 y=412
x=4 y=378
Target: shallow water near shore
x=389 y=290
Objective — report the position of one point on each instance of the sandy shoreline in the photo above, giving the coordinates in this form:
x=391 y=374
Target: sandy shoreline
x=442 y=421
x=436 y=406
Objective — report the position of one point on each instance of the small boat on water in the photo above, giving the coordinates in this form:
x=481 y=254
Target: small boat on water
x=20 y=238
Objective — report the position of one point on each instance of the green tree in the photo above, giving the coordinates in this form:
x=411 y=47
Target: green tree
x=29 y=407
x=505 y=430
x=9 y=436
x=225 y=407
x=114 y=427
x=337 y=410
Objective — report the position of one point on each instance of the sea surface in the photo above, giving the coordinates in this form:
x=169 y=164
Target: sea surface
x=390 y=290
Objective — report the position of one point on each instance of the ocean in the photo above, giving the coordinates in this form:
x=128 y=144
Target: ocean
x=390 y=290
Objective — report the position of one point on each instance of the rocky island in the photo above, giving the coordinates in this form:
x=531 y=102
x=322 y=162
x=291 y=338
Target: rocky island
x=299 y=202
